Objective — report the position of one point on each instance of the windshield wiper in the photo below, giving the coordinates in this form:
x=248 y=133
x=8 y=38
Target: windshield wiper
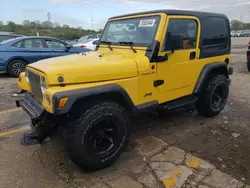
x=108 y=43
x=130 y=44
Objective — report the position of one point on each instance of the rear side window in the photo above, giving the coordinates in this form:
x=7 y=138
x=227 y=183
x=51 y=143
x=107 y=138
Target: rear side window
x=29 y=43
x=215 y=32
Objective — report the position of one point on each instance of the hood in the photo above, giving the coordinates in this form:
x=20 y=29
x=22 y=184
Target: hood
x=87 y=67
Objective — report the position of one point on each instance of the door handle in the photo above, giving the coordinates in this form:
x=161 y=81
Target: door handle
x=192 y=55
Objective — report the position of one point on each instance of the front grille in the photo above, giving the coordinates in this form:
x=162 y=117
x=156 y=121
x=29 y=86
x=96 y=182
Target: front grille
x=34 y=80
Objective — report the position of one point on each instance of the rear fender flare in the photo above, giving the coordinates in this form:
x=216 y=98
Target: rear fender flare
x=206 y=70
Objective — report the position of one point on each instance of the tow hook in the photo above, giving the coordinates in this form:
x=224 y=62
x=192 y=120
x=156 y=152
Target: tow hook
x=29 y=138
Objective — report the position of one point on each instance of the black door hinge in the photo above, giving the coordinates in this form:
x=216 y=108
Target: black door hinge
x=158 y=83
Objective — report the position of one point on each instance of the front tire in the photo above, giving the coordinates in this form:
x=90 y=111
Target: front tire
x=248 y=66
x=16 y=67
x=98 y=136
x=214 y=96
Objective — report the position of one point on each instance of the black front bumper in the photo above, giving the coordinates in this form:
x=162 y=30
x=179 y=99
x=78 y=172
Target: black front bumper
x=33 y=108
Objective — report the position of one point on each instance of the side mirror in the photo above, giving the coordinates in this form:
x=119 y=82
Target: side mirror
x=68 y=46
x=152 y=53
x=96 y=42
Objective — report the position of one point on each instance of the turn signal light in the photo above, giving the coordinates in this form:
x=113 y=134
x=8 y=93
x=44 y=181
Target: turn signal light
x=63 y=102
x=47 y=99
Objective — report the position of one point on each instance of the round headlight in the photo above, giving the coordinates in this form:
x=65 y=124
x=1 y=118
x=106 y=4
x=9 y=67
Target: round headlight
x=43 y=84
x=27 y=76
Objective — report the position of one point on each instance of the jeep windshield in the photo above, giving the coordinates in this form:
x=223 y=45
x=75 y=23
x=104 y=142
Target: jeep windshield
x=137 y=31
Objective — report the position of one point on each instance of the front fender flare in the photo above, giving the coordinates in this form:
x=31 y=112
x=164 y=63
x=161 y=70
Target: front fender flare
x=75 y=95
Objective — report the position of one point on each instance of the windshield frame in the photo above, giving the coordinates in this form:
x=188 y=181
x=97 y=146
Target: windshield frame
x=158 y=21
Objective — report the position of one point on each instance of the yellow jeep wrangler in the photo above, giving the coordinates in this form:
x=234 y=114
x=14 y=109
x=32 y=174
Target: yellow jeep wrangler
x=144 y=61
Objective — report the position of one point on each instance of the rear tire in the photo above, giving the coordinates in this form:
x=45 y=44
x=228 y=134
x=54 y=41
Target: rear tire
x=98 y=136
x=214 y=96
x=248 y=66
x=16 y=67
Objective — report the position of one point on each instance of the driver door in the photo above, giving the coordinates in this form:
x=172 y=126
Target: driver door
x=180 y=71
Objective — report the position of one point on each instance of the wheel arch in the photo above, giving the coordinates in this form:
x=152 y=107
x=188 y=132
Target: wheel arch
x=17 y=58
x=112 y=92
x=210 y=69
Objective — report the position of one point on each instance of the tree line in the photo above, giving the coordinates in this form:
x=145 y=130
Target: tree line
x=238 y=25
x=32 y=28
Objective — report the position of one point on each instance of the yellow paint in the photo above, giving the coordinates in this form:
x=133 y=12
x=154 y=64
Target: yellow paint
x=9 y=111
x=22 y=84
x=121 y=66
x=171 y=181
x=194 y=162
x=13 y=131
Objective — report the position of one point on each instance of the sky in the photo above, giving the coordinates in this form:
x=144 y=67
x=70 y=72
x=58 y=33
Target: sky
x=77 y=13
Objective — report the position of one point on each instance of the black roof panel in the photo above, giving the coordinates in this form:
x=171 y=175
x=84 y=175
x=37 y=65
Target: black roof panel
x=176 y=12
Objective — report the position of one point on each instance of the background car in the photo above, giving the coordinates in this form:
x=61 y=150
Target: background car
x=237 y=34
x=16 y=53
x=240 y=33
x=97 y=36
x=8 y=35
x=71 y=41
x=87 y=44
x=232 y=33
x=245 y=33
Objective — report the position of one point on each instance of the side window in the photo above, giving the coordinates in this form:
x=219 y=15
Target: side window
x=18 y=45
x=54 y=44
x=215 y=32
x=29 y=43
x=181 y=34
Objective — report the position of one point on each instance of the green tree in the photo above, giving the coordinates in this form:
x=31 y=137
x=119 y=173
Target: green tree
x=12 y=26
x=246 y=26
x=26 y=23
x=47 y=25
x=236 y=25
x=31 y=28
x=56 y=24
x=65 y=26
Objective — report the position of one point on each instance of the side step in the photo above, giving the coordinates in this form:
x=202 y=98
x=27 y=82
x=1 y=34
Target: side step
x=183 y=101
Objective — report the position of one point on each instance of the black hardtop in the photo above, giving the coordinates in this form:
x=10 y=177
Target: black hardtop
x=177 y=12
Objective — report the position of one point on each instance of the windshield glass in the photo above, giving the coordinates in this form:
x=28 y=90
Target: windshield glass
x=139 y=31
